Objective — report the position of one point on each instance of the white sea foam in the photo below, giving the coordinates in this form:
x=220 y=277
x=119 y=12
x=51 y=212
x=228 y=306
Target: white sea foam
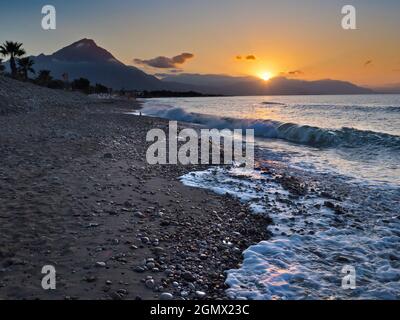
x=311 y=242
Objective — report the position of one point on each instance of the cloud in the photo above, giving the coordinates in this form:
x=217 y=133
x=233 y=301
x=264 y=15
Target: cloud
x=293 y=73
x=162 y=62
x=180 y=59
x=368 y=63
x=161 y=75
x=168 y=73
x=248 y=57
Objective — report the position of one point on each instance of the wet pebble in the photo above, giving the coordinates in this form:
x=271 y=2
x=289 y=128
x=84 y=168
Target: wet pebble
x=100 y=264
x=150 y=283
x=166 y=296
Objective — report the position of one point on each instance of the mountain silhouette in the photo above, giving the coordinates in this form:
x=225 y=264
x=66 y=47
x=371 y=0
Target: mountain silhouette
x=229 y=85
x=84 y=50
x=86 y=59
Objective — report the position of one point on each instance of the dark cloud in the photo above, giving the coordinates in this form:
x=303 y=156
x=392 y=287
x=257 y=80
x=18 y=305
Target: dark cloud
x=168 y=73
x=180 y=59
x=368 y=63
x=293 y=73
x=162 y=75
x=162 y=62
x=248 y=57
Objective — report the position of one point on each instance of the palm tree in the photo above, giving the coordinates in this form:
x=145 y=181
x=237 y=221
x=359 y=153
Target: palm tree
x=14 y=50
x=1 y=66
x=25 y=66
x=44 y=78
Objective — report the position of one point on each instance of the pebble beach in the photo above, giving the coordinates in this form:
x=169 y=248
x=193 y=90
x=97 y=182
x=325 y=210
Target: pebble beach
x=77 y=193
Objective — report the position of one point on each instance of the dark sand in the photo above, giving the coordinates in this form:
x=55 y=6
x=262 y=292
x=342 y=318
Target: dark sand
x=75 y=190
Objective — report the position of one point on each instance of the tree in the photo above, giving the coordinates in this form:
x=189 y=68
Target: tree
x=13 y=50
x=1 y=66
x=81 y=84
x=25 y=66
x=99 y=88
x=44 y=78
x=56 y=84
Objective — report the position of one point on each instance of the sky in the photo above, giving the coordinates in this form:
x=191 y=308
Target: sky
x=294 y=38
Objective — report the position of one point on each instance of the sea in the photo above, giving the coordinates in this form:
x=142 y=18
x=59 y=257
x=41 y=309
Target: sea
x=337 y=234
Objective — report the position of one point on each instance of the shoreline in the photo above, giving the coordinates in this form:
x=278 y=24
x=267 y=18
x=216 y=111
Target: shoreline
x=78 y=194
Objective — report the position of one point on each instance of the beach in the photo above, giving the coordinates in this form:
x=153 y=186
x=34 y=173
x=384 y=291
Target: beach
x=76 y=193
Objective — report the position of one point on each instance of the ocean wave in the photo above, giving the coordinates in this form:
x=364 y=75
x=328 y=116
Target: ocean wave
x=292 y=132
x=273 y=103
x=343 y=107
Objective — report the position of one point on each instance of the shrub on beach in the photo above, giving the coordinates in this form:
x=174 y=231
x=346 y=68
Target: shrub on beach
x=81 y=84
x=99 y=88
x=44 y=78
x=56 y=84
x=25 y=66
x=2 y=67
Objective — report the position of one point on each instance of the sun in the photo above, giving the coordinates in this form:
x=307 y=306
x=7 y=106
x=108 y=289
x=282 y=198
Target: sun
x=265 y=75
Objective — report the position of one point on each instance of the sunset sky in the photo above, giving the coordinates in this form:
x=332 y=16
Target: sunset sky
x=302 y=39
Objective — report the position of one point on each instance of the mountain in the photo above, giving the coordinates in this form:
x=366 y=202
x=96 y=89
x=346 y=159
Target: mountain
x=229 y=85
x=86 y=59
x=283 y=86
x=393 y=88
x=206 y=80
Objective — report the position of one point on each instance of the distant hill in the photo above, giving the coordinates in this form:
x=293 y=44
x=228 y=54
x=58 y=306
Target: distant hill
x=229 y=85
x=207 y=80
x=390 y=88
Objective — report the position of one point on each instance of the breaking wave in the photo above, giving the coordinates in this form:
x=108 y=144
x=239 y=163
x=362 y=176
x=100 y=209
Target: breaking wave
x=292 y=132
x=342 y=107
x=273 y=103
